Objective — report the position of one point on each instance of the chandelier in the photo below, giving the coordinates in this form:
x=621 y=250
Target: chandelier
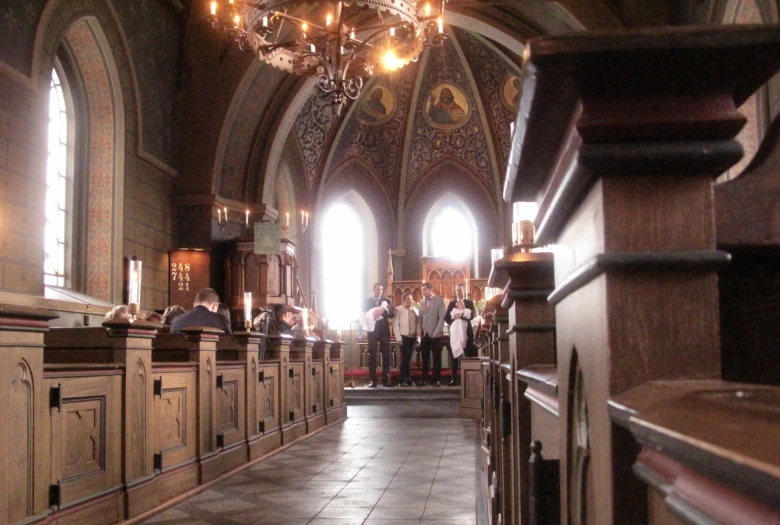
x=341 y=43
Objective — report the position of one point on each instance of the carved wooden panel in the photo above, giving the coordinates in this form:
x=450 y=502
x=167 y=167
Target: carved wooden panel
x=86 y=435
x=318 y=387
x=268 y=399
x=230 y=405
x=19 y=467
x=295 y=396
x=336 y=384
x=445 y=274
x=175 y=417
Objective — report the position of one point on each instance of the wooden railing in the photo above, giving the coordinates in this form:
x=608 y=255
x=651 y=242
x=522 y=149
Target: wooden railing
x=104 y=424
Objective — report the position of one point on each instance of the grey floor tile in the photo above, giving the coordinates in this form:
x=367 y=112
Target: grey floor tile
x=372 y=470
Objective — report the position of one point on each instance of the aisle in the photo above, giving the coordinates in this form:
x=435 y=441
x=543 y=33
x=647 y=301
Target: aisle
x=368 y=470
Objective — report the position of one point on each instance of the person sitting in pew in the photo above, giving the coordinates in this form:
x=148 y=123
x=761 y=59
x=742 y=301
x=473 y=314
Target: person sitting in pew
x=203 y=314
x=171 y=313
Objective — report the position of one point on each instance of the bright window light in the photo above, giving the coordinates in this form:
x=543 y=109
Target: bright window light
x=451 y=235
x=344 y=254
x=56 y=186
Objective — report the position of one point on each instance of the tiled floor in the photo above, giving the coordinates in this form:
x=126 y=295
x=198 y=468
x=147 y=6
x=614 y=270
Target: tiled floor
x=366 y=470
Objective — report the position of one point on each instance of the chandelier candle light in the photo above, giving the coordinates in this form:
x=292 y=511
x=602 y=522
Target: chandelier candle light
x=347 y=44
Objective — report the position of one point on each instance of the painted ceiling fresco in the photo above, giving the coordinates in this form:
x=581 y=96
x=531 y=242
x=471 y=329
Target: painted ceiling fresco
x=426 y=112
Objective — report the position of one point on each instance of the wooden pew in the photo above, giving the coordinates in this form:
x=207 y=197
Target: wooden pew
x=619 y=142
x=527 y=279
x=494 y=461
x=104 y=424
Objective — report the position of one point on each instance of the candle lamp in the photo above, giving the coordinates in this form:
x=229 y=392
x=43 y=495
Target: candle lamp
x=248 y=311
x=523 y=231
x=134 y=286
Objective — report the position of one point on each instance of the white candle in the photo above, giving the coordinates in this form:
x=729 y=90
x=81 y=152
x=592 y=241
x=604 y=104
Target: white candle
x=287 y=213
x=265 y=21
x=247 y=217
x=248 y=306
x=226 y=217
x=219 y=215
x=213 y=8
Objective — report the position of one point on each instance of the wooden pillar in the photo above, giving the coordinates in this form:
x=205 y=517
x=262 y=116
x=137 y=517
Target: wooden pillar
x=527 y=279
x=318 y=381
x=302 y=385
x=24 y=438
x=202 y=349
x=618 y=139
x=293 y=425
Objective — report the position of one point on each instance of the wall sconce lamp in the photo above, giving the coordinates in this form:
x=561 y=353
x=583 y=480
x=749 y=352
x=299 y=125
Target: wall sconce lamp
x=304 y=221
x=134 y=286
x=248 y=311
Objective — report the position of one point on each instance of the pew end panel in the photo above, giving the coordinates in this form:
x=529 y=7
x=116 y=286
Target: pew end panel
x=24 y=420
x=85 y=418
x=268 y=410
x=471 y=388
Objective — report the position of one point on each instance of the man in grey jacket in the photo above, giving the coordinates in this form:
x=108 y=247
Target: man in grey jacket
x=432 y=313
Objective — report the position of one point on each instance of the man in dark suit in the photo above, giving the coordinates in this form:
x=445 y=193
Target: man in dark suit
x=431 y=329
x=203 y=314
x=380 y=336
x=460 y=295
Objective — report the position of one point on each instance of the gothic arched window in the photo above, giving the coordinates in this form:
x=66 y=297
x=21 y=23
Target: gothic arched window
x=59 y=185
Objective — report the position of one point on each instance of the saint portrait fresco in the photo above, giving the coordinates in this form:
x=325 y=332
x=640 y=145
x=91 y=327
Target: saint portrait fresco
x=376 y=106
x=447 y=106
x=512 y=90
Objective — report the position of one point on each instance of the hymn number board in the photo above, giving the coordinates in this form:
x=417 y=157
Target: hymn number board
x=188 y=272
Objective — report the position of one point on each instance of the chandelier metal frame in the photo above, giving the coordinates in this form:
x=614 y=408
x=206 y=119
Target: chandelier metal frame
x=356 y=37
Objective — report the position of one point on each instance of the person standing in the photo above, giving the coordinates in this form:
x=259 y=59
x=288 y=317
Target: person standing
x=203 y=314
x=432 y=313
x=449 y=318
x=379 y=337
x=405 y=328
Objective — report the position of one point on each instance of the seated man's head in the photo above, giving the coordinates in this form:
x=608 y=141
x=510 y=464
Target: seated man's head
x=207 y=297
x=171 y=313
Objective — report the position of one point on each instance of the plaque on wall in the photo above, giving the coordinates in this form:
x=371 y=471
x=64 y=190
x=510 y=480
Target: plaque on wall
x=267 y=237
x=188 y=272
